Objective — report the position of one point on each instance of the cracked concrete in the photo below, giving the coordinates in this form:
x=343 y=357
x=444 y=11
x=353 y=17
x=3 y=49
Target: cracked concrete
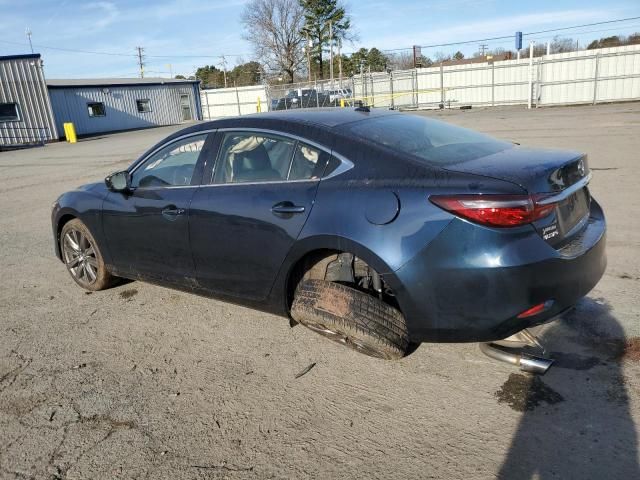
x=159 y=384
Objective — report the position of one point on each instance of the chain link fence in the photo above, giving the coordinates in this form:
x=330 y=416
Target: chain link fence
x=580 y=77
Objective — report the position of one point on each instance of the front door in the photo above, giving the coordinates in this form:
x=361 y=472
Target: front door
x=185 y=107
x=147 y=230
x=244 y=223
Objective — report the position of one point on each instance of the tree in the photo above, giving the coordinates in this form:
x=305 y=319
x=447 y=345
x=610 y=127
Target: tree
x=246 y=74
x=318 y=14
x=458 y=55
x=274 y=28
x=210 y=76
x=613 y=41
x=180 y=77
x=562 y=45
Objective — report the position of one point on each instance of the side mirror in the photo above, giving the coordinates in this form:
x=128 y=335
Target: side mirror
x=119 y=181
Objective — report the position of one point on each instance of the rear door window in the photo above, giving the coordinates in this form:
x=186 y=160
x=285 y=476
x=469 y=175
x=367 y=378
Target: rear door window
x=253 y=157
x=308 y=163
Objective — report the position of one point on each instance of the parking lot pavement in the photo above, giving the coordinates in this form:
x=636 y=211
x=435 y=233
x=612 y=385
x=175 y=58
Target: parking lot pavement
x=143 y=382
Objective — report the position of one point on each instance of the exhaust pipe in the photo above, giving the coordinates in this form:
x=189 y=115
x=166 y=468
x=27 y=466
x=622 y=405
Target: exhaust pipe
x=527 y=363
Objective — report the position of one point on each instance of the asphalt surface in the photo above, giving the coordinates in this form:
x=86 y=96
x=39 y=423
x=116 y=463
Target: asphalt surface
x=144 y=382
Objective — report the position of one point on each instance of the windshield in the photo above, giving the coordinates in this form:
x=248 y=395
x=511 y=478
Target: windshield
x=430 y=140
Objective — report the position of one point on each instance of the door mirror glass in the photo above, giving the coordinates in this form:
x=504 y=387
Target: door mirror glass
x=119 y=181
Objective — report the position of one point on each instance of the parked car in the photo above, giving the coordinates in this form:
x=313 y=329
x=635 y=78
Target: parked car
x=338 y=94
x=303 y=98
x=372 y=228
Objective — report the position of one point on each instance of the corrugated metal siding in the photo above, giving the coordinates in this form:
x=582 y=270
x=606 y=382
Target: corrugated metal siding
x=22 y=81
x=70 y=105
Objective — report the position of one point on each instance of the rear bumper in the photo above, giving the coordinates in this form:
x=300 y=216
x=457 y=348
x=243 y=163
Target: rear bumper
x=471 y=282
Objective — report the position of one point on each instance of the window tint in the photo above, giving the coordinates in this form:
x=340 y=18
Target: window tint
x=430 y=140
x=96 y=109
x=172 y=166
x=253 y=157
x=308 y=163
x=143 y=105
x=9 y=112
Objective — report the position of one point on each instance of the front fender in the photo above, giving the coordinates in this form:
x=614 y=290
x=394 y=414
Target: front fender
x=84 y=203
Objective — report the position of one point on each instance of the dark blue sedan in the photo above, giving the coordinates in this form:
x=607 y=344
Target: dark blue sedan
x=373 y=228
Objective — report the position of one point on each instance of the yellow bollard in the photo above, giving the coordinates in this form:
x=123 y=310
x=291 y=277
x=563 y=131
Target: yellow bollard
x=342 y=103
x=259 y=106
x=70 y=132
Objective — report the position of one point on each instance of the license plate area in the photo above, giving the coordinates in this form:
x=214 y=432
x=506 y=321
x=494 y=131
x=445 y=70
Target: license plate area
x=572 y=211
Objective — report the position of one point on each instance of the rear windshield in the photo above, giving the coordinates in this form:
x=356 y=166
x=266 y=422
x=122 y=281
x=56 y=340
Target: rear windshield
x=430 y=140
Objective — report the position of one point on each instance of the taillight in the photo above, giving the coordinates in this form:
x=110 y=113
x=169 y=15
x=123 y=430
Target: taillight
x=495 y=210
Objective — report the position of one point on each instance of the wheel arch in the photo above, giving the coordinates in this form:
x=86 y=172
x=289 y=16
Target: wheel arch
x=316 y=248
x=64 y=217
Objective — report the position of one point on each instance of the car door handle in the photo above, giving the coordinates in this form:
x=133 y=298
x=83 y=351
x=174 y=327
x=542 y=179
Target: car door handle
x=171 y=212
x=287 y=208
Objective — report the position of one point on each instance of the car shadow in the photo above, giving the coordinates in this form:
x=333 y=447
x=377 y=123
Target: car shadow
x=576 y=421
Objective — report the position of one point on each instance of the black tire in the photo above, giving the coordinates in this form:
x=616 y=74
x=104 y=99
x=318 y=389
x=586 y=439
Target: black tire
x=351 y=317
x=82 y=257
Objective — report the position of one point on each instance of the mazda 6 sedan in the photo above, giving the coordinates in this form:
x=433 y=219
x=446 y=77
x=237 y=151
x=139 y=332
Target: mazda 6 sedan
x=372 y=228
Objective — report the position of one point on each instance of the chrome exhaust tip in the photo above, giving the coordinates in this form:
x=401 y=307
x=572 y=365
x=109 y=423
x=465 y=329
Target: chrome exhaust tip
x=526 y=362
x=538 y=365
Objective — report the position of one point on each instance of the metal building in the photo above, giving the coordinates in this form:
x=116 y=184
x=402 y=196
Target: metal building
x=108 y=105
x=25 y=110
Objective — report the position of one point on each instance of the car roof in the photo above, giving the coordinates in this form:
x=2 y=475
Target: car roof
x=322 y=117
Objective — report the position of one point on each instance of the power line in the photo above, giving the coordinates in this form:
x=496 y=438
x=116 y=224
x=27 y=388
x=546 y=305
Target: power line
x=488 y=39
x=584 y=25
x=505 y=37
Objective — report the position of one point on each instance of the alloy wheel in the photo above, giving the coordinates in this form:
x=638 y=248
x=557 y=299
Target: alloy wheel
x=80 y=256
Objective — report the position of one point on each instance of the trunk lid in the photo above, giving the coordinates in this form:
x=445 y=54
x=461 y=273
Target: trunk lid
x=552 y=176
x=535 y=170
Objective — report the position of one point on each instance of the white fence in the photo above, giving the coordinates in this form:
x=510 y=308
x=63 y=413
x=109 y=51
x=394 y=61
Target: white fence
x=588 y=76
x=230 y=102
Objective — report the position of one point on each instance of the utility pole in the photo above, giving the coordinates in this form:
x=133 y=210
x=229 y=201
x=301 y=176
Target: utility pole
x=170 y=70
x=309 y=45
x=27 y=32
x=340 y=62
x=141 y=60
x=331 y=53
x=224 y=70
x=482 y=48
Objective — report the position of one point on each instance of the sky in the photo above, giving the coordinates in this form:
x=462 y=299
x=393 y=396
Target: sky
x=178 y=36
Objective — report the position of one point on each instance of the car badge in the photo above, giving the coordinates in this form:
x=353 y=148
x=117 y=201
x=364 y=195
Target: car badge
x=581 y=168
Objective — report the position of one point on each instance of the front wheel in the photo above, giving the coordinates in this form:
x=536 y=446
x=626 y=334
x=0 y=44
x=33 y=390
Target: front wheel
x=82 y=257
x=352 y=318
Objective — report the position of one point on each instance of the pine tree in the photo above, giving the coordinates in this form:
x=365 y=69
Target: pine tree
x=317 y=16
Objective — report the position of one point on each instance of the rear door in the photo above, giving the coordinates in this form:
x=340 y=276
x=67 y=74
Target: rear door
x=243 y=224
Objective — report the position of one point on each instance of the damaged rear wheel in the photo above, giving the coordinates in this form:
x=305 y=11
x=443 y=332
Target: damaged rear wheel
x=351 y=317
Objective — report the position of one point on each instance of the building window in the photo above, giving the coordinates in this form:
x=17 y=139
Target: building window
x=9 y=112
x=96 y=109
x=144 y=105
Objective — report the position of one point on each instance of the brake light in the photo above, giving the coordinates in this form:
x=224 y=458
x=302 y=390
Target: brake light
x=495 y=210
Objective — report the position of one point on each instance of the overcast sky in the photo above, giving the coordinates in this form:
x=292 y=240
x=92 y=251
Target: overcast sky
x=195 y=32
